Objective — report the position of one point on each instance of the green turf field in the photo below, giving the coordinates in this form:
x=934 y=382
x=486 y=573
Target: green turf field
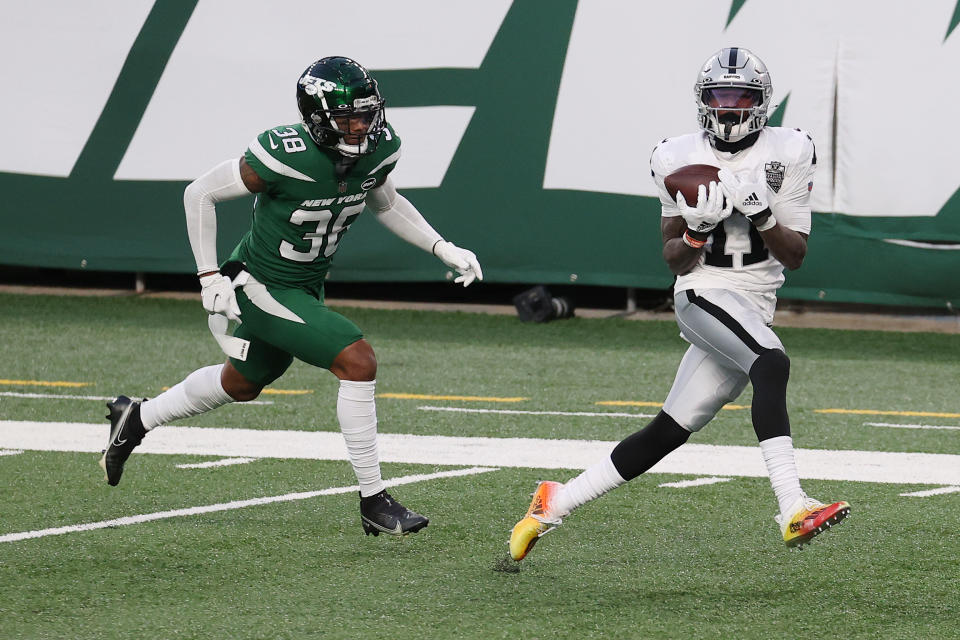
x=643 y=562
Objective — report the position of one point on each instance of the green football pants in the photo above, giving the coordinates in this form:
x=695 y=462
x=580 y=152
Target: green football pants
x=283 y=324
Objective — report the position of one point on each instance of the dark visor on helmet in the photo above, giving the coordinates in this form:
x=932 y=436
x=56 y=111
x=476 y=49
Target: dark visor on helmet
x=731 y=98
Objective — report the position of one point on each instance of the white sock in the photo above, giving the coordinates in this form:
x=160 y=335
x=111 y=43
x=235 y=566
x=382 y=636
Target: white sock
x=198 y=393
x=357 y=414
x=782 y=467
x=595 y=481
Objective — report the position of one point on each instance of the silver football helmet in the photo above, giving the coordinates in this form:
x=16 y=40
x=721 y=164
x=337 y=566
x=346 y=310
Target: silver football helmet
x=733 y=91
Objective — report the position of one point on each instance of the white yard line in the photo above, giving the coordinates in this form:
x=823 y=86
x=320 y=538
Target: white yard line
x=910 y=426
x=52 y=396
x=226 y=462
x=931 y=492
x=10 y=452
x=64 y=396
x=689 y=460
x=227 y=506
x=591 y=414
x=682 y=484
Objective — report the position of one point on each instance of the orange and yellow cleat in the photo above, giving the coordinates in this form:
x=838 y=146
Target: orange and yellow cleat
x=537 y=523
x=810 y=519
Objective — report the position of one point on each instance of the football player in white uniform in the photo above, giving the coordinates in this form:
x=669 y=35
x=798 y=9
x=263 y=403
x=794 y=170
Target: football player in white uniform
x=728 y=250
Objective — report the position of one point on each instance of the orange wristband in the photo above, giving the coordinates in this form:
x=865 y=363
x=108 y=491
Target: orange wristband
x=690 y=241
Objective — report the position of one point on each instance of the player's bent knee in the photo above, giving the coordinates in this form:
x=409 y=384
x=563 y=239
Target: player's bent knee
x=772 y=366
x=692 y=416
x=237 y=386
x=245 y=395
x=356 y=362
x=243 y=392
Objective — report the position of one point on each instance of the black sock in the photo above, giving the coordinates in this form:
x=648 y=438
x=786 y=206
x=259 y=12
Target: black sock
x=645 y=448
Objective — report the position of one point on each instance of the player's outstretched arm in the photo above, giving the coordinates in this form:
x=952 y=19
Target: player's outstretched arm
x=223 y=182
x=402 y=218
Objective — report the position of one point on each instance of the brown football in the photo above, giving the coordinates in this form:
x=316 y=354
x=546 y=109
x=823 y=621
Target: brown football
x=687 y=179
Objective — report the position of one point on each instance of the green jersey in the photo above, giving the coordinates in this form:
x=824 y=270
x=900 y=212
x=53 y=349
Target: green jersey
x=301 y=217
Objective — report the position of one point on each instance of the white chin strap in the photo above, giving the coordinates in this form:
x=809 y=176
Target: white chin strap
x=737 y=131
x=710 y=121
x=353 y=149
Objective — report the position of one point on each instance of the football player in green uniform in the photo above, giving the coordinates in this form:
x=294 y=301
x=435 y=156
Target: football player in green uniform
x=312 y=180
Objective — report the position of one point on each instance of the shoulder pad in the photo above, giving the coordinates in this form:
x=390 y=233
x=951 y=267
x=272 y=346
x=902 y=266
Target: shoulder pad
x=385 y=158
x=275 y=152
x=665 y=154
x=807 y=147
x=389 y=141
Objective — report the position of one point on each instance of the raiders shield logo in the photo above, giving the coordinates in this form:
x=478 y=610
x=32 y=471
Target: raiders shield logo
x=774 y=171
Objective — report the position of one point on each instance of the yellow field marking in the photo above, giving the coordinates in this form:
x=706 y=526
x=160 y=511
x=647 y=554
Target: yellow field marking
x=638 y=403
x=45 y=383
x=874 y=412
x=287 y=392
x=421 y=396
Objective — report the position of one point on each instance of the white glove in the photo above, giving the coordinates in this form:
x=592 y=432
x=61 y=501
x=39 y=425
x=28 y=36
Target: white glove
x=462 y=261
x=710 y=210
x=218 y=296
x=749 y=195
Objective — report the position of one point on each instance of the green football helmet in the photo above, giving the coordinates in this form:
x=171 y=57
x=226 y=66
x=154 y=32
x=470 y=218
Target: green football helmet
x=339 y=100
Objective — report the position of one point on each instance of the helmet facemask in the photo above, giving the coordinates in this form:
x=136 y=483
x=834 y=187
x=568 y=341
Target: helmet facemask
x=732 y=113
x=356 y=130
x=341 y=106
x=733 y=92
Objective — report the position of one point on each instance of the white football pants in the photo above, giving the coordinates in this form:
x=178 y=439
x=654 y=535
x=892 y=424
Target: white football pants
x=727 y=331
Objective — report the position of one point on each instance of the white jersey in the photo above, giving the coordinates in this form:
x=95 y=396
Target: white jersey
x=735 y=256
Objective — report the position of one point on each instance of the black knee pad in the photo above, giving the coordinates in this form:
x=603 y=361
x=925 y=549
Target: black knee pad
x=772 y=367
x=769 y=375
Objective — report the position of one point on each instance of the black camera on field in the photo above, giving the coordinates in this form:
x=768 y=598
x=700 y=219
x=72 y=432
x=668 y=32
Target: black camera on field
x=537 y=305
